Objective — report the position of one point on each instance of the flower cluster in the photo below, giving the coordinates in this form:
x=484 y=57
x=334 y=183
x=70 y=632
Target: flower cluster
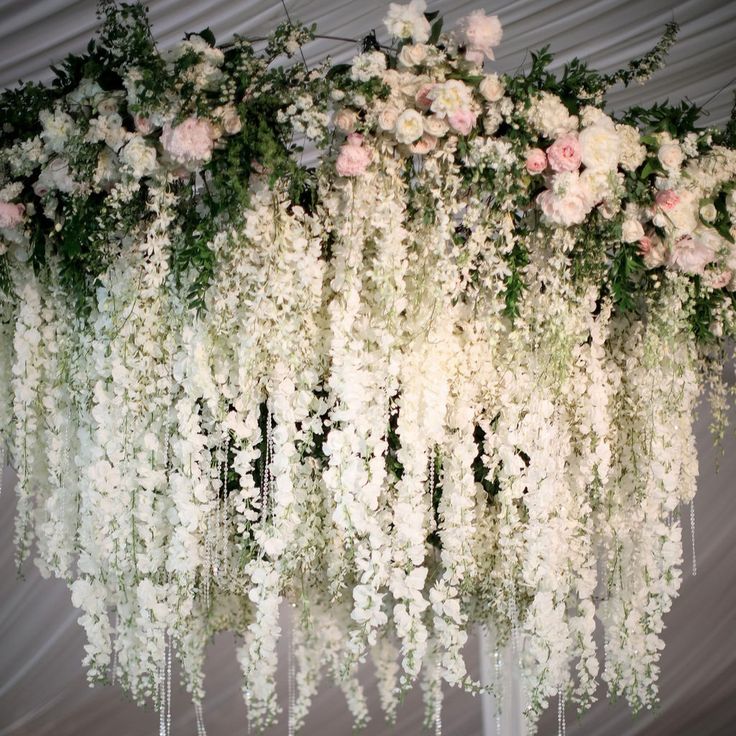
x=445 y=379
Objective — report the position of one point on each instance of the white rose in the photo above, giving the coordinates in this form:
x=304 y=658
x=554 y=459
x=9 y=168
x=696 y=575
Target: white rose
x=671 y=156
x=413 y=55
x=599 y=147
x=632 y=231
x=346 y=120
x=387 y=118
x=409 y=127
x=708 y=212
x=435 y=126
x=492 y=88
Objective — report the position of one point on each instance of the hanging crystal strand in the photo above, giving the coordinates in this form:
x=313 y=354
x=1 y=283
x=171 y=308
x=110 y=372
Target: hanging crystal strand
x=514 y=614
x=222 y=496
x=114 y=665
x=3 y=458
x=199 y=717
x=168 y=684
x=561 y=722
x=266 y=480
x=161 y=693
x=269 y=442
x=292 y=685
x=692 y=535
x=247 y=711
x=438 y=704
x=499 y=685
x=206 y=572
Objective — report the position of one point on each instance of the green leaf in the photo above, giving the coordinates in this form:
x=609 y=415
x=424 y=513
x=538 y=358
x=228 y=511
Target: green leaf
x=436 y=31
x=337 y=70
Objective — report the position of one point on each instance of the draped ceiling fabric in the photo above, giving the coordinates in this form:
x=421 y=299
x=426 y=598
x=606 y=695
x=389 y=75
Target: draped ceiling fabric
x=42 y=686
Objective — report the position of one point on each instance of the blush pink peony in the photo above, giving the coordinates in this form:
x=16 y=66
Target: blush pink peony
x=189 y=143
x=11 y=215
x=564 y=153
x=479 y=33
x=353 y=158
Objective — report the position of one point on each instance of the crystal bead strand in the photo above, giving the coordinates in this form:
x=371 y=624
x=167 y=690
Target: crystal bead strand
x=247 y=711
x=292 y=677
x=2 y=465
x=561 y=722
x=169 y=648
x=438 y=704
x=499 y=685
x=224 y=449
x=114 y=665
x=269 y=439
x=199 y=717
x=161 y=691
x=692 y=536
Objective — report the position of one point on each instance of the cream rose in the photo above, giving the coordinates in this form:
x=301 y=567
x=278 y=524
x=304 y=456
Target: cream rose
x=708 y=212
x=387 y=118
x=632 y=231
x=435 y=126
x=671 y=156
x=346 y=120
x=413 y=55
x=492 y=88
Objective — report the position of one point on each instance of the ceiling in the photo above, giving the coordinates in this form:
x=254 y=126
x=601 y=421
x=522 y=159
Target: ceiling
x=42 y=686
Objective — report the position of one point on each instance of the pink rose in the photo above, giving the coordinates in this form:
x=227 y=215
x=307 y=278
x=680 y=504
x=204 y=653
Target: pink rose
x=189 y=143
x=355 y=139
x=143 y=125
x=462 y=120
x=564 y=153
x=11 y=215
x=645 y=244
x=536 y=161
x=667 y=199
x=424 y=145
x=479 y=33
x=422 y=98
x=352 y=160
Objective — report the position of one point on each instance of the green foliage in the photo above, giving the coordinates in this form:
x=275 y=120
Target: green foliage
x=677 y=120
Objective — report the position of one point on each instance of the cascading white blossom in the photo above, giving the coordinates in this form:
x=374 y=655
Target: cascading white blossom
x=446 y=380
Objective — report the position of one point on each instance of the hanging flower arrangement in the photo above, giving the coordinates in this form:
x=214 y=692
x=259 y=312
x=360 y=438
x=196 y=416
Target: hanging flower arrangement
x=445 y=378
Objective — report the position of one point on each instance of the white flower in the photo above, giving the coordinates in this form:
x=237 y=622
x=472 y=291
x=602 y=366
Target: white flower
x=632 y=231
x=413 y=55
x=435 y=126
x=408 y=21
x=139 y=156
x=387 y=118
x=600 y=147
x=492 y=88
x=708 y=212
x=450 y=97
x=671 y=156
x=632 y=153
x=550 y=117
x=409 y=127
x=367 y=66
x=57 y=128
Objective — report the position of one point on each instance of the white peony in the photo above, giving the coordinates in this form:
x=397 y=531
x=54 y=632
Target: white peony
x=600 y=147
x=450 y=97
x=408 y=21
x=58 y=126
x=409 y=127
x=139 y=157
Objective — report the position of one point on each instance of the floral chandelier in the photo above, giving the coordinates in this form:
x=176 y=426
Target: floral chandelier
x=444 y=379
